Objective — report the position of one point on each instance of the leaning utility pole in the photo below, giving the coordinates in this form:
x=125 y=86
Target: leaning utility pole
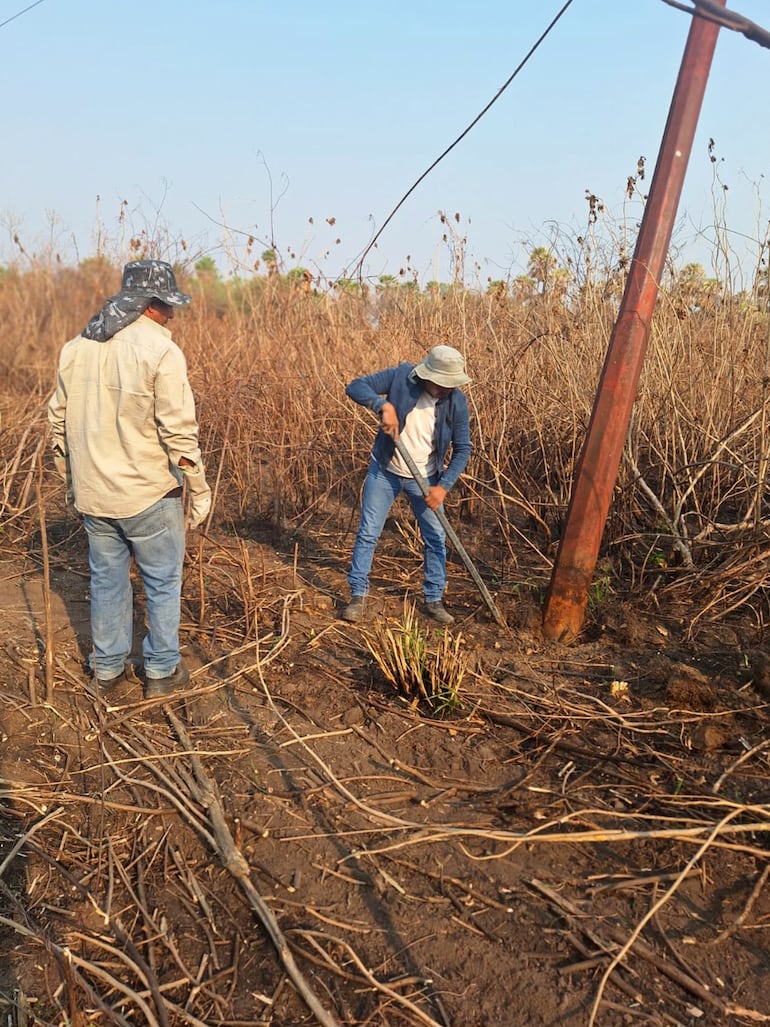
x=599 y=460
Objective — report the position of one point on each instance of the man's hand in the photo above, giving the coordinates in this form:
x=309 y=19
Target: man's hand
x=389 y=420
x=198 y=491
x=436 y=496
x=62 y=465
x=200 y=506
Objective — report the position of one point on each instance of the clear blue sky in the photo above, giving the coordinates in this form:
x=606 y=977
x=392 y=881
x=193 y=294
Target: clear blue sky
x=188 y=111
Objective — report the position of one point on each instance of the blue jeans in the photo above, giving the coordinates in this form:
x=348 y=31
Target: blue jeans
x=380 y=491
x=155 y=538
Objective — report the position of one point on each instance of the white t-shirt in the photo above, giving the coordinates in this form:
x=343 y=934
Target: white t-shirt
x=417 y=438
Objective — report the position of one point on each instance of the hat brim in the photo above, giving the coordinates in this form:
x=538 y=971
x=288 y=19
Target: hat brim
x=128 y=303
x=135 y=298
x=446 y=381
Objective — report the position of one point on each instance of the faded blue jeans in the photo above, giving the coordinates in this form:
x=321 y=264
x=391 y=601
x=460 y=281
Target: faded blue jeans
x=380 y=491
x=155 y=538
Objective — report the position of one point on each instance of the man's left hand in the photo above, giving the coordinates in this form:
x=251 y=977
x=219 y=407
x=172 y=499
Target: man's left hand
x=436 y=496
x=62 y=465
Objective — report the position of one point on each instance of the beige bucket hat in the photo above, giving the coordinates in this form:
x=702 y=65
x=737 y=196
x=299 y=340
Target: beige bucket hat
x=444 y=366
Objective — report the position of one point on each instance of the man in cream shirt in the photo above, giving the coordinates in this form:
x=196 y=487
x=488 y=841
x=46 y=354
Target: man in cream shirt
x=125 y=438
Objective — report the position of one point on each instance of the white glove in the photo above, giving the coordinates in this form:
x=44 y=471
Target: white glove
x=62 y=465
x=199 y=493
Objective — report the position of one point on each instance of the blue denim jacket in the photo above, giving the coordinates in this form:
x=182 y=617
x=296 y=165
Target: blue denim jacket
x=397 y=385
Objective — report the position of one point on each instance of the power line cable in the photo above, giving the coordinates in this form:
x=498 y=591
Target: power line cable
x=19 y=14
x=479 y=116
x=725 y=18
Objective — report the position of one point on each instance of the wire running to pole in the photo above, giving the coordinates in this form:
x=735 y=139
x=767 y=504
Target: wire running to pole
x=19 y=14
x=463 y=134
x=725 y=18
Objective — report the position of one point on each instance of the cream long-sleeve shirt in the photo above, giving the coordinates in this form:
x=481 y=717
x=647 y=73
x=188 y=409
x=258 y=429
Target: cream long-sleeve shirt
x=123 y=413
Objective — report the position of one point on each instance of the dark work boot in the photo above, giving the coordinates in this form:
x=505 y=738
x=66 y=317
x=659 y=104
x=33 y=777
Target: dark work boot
x=354 y=611
x=106 y=686
x=437 y=613
x=170 y=683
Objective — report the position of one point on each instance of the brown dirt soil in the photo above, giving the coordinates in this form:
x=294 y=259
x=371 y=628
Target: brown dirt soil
x=582 y=838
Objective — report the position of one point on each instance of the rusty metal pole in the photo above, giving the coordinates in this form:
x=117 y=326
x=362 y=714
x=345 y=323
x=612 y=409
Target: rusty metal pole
x=597 y=467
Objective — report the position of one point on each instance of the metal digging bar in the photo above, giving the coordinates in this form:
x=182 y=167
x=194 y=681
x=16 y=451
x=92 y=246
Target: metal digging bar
x=461 y=552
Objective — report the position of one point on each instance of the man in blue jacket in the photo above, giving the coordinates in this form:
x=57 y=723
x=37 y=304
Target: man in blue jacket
x=421 y=405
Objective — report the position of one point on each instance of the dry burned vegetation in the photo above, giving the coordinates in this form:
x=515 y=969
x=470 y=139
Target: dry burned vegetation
x=384 y=824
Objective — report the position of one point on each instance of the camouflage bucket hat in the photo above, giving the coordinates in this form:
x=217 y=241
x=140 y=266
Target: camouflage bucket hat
x=143 y=281
x=151 y=279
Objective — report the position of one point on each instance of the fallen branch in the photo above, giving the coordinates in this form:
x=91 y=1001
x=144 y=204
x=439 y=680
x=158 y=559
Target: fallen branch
x=205 y=791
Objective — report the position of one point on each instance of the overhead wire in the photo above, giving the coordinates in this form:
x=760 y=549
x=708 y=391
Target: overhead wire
x=706 y=9
x=19 y=13
x=360 y=262
x=725 y=18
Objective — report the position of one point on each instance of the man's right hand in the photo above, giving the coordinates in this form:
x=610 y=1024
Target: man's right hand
x=198 y=491
x=200 y=506
x=389 y=420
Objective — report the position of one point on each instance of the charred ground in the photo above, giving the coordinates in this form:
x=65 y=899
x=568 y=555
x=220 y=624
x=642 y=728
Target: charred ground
x=581 y=809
